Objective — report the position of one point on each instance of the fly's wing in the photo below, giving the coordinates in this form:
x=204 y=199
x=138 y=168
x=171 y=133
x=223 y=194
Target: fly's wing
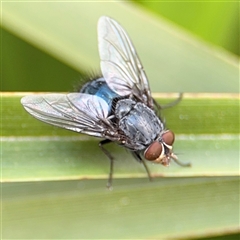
x=120 y=64
x=78 y=112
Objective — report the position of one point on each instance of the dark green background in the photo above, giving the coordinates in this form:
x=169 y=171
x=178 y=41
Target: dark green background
x=26 y=67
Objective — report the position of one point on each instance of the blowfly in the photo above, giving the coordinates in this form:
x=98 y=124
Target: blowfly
x=117 y=106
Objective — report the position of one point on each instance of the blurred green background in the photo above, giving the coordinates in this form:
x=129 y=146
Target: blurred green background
x=215 y=22
x=48 y=46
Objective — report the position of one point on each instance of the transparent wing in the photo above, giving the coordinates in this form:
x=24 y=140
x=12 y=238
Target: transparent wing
x=74 y=111
x=120 y=64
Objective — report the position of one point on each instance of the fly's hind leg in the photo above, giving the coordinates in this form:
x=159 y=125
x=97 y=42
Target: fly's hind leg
x=110 y=177
x=139 y=159
x=168 y=105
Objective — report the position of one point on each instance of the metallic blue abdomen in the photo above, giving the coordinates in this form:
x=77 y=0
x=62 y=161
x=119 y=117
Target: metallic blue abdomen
x=100 y=88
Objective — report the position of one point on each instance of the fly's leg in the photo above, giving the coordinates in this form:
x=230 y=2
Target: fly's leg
x=103 y=142
x=168 y=105
x=175 y=158
x=181 y=163
x=138 y=158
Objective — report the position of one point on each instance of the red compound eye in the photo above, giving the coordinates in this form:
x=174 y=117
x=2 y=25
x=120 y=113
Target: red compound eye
x=168 y=138
x=153 y=151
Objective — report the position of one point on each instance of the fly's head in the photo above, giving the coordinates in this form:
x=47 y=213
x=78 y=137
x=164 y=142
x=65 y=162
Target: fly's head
x=160 y=151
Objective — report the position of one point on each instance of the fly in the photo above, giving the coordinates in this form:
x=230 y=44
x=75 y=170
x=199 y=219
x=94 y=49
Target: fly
x=117 y=106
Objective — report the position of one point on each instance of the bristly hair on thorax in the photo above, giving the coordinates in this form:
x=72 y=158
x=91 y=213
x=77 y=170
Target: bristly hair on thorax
x=84 y=78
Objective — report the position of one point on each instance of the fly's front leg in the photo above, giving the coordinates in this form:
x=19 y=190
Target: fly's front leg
x=175 y=158
x=103 y=142
x=138 y=158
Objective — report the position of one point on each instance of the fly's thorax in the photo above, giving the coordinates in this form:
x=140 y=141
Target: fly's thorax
x=123 y=107
x=138 y=122
x=160 y=151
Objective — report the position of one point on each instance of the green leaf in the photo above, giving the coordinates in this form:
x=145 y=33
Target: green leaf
x=135 y=209
x=48 y=153
x=53 y=183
